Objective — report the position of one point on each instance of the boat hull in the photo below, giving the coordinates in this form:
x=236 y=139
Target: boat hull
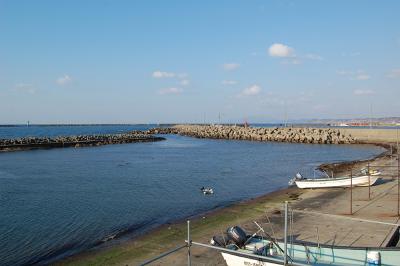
x=235 y=260
x=357 y=181
x=313 y=254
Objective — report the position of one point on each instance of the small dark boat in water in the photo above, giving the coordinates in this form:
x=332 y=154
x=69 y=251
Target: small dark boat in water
x=207 y=190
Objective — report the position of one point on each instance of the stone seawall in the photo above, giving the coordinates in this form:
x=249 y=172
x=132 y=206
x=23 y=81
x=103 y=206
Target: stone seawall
x=287 y=134
x=28 y=143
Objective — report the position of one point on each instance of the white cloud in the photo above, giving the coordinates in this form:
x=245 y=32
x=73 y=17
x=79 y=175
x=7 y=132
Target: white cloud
x=228 y=82
x=280 y=50
x=170 y=91
x=162 y=74
x=64 y=80
x=354 y=75
x=363 y=92
x=230 y=66
x=23 y=87
x=394 y=73
x=362 y=77
x=184 y=82
x=313 y=57
x=251 y=91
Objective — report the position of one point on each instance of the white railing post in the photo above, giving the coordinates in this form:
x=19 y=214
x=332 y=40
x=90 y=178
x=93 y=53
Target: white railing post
x=286 y=229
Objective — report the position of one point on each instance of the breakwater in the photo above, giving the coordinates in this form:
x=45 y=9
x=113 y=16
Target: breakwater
x=28 y=143
x=287 y=134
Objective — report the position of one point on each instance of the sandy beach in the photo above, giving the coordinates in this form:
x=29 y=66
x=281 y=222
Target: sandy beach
x=379 y=205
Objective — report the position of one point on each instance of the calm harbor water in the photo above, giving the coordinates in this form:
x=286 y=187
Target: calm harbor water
x=58 y=202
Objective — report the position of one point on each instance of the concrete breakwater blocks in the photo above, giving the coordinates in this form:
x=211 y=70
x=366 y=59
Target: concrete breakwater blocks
x=28 y=143
x=284 y=134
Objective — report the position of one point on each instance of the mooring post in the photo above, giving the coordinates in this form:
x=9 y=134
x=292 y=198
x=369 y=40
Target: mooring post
x=351 y=191
x=369 y=183
x=189 y=243
x=286 y=229
x=398 y=184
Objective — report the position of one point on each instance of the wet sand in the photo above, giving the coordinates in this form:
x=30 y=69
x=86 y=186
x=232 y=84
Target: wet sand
x=267 y=211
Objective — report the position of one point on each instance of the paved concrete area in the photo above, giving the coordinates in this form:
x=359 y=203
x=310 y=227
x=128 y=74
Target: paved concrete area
x=387 y=135
x=340 y=227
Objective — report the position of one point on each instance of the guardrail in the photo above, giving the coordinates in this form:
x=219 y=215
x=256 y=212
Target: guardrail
x=189 y=243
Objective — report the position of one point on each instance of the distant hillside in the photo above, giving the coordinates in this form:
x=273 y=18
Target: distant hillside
x=395 y=121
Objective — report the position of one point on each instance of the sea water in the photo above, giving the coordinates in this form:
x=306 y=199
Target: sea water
x=58 y=202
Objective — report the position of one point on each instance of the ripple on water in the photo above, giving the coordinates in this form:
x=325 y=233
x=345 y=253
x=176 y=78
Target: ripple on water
x=58 y=202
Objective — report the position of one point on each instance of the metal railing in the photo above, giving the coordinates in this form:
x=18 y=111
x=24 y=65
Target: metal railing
x=189 y=243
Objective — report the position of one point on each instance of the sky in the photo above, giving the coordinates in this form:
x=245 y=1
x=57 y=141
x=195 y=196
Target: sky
x=197 y=61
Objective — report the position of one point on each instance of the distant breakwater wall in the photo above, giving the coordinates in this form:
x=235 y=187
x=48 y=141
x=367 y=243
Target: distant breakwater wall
x=28 y=143
x=286 y=134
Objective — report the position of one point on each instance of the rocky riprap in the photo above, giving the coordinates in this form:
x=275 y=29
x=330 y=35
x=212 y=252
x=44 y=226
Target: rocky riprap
x=28 y=143
x=284 y=134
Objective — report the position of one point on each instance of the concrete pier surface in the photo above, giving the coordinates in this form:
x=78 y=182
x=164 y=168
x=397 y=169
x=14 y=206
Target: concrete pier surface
x=373 y=135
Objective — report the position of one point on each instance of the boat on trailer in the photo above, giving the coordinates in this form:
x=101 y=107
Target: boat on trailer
x=362 y=180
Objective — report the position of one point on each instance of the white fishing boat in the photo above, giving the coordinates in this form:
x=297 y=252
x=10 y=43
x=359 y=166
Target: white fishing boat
x=363 y=180
x=269 y=254
x=238 y=249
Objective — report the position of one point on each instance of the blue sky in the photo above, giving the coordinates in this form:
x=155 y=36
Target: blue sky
x=187 y=61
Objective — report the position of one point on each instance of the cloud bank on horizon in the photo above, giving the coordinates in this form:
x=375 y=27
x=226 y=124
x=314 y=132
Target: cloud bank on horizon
x=106 y=63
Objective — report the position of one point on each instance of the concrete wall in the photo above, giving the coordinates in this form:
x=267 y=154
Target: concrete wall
x=373 y=135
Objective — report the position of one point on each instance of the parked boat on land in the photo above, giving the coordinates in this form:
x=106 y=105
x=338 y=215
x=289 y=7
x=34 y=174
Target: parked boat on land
x=362 y=180
x=239 y=246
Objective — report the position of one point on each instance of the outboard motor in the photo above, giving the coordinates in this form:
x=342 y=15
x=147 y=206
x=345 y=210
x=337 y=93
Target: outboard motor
x=299 y=176
x=293 y=180
x=218 y=241
x=237 y=235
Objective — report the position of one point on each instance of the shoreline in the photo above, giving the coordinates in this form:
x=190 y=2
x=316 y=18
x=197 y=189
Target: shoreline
x=103 y=255
x=170 y=235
